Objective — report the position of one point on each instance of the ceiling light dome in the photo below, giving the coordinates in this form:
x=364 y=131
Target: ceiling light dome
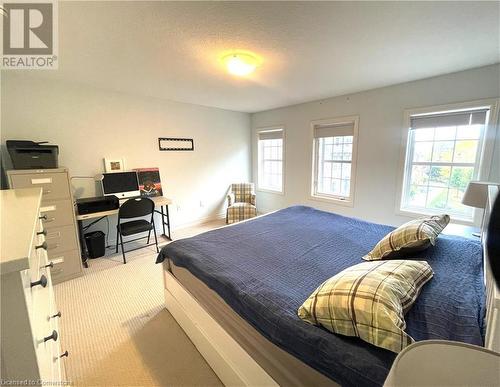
x=240 y=64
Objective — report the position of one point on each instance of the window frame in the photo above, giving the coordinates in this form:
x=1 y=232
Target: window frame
x=259 y=165
x=483 y=157
x=335 y=199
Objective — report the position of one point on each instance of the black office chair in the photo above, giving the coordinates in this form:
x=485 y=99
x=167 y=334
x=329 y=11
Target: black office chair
x=135 y=208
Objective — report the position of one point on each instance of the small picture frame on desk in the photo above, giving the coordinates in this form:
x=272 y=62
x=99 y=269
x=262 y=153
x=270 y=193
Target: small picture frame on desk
x=113 y=165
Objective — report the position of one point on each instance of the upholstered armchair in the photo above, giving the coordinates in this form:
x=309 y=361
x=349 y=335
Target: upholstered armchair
x=241 y=202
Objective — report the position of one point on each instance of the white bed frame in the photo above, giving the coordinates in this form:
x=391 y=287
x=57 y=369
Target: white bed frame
x=235 y=367
x=232 y=364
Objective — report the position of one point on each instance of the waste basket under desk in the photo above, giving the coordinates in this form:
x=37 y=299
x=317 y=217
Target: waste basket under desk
x=160 y=202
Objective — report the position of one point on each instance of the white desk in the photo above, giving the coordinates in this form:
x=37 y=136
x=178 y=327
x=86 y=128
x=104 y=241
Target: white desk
x=159 y=201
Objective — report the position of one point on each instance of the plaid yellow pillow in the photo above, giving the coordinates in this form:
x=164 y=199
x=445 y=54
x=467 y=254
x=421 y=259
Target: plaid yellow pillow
x=416 y=235
x=369 y=301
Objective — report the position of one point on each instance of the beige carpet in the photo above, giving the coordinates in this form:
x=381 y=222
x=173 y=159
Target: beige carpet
x=117 y=331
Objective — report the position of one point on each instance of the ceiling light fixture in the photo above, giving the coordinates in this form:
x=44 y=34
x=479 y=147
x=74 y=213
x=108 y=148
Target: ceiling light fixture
x=240 y=64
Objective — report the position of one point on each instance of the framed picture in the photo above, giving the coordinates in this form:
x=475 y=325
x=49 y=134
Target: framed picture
x=149 y=181
x=175 y=144
x=113 y=165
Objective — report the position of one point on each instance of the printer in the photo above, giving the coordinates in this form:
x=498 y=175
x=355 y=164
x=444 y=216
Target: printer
x=85 y=206
x=32 y=155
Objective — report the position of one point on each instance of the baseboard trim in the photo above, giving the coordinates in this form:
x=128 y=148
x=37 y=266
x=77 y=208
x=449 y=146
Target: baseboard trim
x=200 y=221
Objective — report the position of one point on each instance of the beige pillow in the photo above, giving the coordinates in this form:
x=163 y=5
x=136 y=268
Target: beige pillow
x=369 y=301
x=416 y=235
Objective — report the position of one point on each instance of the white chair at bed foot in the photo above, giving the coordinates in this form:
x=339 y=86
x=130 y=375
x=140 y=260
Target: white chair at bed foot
x=444 y=363
x=241 y=202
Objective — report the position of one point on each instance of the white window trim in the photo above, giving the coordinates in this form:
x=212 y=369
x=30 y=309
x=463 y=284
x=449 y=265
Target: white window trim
x=267 y=129
x=348 y=202
x=486 y=151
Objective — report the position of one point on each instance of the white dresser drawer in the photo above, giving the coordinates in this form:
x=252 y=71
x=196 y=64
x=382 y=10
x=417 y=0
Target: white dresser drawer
x=45 y=357
x=41 y=304
x=41 y=329
x=36 y=277
x=38 y=263
x=57 y=363
x=57 y=360
x=38 y=255
x=26 y=283
x=43 y=258
x=34 y=269
x=44 y=324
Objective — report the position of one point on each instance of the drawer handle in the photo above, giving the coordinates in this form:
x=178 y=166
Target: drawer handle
x=47 y=220
x=65 y=354
x=46 y=192
x=51 y=265
x=58 y=314
x=43 y=217
x=44 y=232
x=42 y=246
x=42 y=282
x=53 y=336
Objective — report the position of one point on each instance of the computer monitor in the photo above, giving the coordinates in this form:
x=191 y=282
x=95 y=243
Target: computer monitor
x=121 y=184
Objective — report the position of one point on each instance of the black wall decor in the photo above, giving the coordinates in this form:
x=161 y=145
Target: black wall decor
x=175 y=144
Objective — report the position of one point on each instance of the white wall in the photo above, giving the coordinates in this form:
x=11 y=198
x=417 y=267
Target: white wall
x=89 y=124
x=379 y=144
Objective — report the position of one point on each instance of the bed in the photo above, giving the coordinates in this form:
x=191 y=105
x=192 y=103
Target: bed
x=236 y=291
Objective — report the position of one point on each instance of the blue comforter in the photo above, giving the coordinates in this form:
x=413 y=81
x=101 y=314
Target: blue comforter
x=265 y=269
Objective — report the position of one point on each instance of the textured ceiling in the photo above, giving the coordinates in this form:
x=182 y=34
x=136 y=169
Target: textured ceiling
x=310 y=50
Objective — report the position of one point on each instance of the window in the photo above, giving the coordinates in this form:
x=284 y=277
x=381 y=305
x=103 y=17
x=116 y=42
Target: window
x=443 y=155
x=270 y=168
x=334 y=155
